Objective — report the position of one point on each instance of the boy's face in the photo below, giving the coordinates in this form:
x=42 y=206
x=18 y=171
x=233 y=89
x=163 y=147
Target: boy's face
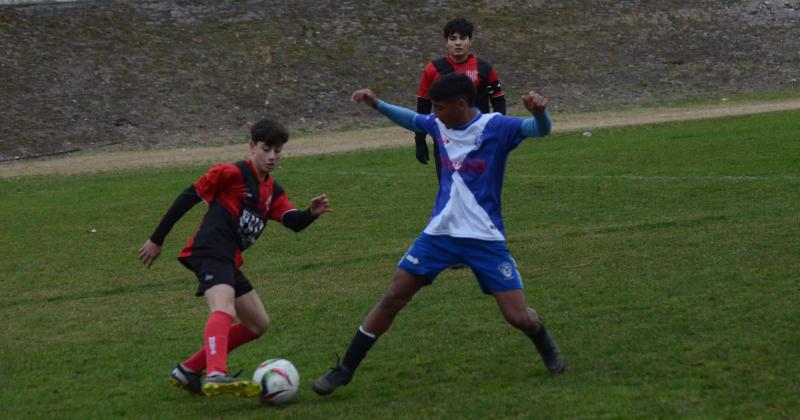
x=458 y=46
x=453 y=113
x=264 y=157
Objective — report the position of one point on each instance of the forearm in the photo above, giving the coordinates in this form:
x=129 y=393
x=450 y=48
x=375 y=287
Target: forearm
x=537 y=126
x=183 y=203
x=297 y=220
x=401 y=116
x=499 y=104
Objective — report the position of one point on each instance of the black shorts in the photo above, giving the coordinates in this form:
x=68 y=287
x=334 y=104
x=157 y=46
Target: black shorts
x=211 y=272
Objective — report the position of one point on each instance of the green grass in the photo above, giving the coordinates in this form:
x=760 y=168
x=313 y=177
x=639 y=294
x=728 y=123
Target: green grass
x=664 y=258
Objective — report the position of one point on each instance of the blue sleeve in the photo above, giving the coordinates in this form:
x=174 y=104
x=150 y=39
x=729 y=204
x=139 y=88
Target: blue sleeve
x=538 y=126
x=403 y=117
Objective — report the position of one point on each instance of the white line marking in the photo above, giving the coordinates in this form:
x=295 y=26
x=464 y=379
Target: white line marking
x=577 y=177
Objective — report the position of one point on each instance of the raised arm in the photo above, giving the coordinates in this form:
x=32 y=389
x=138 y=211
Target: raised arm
x=540 y=125
x=401 y=116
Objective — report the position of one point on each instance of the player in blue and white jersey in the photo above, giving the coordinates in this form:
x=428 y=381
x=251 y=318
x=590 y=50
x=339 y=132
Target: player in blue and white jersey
x=466 y=225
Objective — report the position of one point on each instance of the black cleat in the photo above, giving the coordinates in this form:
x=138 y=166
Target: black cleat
x=555 y=362
x=548 y=349
x=190 y=381
x=336 y=377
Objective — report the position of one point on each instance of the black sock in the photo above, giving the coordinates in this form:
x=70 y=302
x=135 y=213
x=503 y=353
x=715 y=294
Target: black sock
x=358 y=349
x=542 y=340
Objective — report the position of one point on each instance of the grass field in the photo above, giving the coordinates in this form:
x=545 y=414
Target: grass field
x=665 y=259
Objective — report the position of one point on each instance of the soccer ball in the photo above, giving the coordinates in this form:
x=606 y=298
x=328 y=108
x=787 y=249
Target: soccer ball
x=279 y=381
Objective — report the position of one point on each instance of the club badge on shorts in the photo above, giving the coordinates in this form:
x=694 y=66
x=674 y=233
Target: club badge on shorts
x=506 y=269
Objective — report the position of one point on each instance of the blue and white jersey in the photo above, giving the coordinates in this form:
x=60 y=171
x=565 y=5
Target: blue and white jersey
x=474 y=160
x=473 y=164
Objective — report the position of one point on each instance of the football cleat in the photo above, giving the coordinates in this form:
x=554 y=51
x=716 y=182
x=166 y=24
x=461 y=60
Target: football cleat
x=190 y=381
x=551 y=355
x=221 y=384
x=336 y=377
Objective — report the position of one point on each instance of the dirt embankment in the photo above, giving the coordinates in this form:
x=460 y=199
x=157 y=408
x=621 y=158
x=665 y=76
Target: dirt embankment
x=117 y=75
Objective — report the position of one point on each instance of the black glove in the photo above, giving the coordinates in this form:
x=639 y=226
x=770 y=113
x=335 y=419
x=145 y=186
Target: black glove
x=422 y=148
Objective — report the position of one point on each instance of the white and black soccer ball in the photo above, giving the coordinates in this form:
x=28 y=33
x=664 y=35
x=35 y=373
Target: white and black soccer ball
x=279 y=381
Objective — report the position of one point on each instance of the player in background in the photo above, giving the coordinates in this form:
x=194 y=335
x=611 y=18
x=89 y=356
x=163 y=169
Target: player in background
x=466 y=226
x=241 y=197
x=458 y=41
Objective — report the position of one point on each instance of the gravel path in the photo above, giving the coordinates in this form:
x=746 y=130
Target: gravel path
x=346 y=141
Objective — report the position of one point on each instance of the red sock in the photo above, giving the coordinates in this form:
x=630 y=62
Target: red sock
x=216 y=341
x=238 y=335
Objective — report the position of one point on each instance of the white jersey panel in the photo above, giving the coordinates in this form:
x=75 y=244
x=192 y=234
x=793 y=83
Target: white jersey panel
x=462 y=216
x=459 y=143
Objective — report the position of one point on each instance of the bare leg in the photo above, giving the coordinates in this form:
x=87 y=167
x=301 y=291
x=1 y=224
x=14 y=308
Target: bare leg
x=252 y=313
x=221 y=298
x=404 y=286
x=517 y=313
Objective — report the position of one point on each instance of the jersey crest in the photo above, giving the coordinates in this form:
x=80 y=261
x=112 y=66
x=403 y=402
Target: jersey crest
x=251 y=224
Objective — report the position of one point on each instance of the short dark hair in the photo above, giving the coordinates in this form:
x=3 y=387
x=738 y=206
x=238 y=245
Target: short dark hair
x=458 y=26
x=452 y=87
x=269 y=132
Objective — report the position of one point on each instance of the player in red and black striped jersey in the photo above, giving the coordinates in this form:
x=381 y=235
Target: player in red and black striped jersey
x=458 y=41
x=241 y=197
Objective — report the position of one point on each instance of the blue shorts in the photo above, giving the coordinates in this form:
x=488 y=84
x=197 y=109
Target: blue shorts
x=491 y=262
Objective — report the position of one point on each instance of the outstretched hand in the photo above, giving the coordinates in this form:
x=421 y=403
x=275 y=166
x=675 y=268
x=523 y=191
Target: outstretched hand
x=320 y=204
x=365 y=96
x=534 y=103
x=149 y=252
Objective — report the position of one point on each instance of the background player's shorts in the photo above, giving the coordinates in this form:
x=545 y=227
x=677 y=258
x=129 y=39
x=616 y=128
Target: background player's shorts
x=211 y=272
x=491 y=262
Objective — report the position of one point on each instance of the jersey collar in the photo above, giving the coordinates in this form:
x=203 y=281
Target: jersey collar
x=255 y=172
x=453 y=62
x=478 y=115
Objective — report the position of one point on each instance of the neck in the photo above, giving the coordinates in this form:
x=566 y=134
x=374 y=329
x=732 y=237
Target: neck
x=459 y=59
x=261 y=176
x=468 y=116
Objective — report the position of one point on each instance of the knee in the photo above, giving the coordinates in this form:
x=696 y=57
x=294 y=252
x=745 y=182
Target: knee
x=526 y=320
x=259 y=326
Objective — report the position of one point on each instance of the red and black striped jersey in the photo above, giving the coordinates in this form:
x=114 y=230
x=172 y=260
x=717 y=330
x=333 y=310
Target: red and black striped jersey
x=469 y=67
x=225 y=190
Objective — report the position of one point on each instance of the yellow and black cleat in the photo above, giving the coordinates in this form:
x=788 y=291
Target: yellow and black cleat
x=219 y=384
